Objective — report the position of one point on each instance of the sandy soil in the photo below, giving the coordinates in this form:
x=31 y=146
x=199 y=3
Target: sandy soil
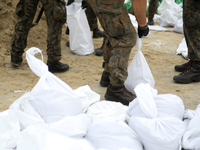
x=86 y=70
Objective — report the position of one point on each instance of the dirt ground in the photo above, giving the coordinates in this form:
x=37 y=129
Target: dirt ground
x=86 y=70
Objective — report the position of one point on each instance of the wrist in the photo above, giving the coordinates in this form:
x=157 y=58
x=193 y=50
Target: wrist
x=145 y=27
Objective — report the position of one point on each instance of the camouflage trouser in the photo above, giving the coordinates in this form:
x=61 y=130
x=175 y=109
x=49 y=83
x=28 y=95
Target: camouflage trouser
x=153 y=5
x=92 y=18
x=55 y=13
x=191 y=26
x=120 y=37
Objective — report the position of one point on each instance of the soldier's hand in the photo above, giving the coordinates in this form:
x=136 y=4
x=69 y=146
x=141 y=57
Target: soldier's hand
x=70 y=2
x=143 y=31
x=84 y=4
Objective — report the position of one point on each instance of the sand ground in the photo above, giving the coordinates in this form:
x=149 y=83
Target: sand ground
x=87 y=70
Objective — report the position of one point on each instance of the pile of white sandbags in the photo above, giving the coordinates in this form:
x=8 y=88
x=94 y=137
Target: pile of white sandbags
x=77 y=119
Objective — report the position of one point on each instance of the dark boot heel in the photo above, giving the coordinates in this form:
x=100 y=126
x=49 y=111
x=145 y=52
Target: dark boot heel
x=197 y=79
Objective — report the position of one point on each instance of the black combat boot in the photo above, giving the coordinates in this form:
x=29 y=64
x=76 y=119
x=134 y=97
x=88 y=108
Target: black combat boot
x=181 y=68
x=67 y=43
x=56 y=66
x=105 y=81
x=99 y=52
x=191 y=74
x=16 y=60
x=150 y=21
x=119 y=94
x=98 y=33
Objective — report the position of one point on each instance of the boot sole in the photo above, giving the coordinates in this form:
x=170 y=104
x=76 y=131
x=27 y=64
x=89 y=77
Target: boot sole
x=110 y=98
x=15 y=65
x=56 y=71
x=196 y=79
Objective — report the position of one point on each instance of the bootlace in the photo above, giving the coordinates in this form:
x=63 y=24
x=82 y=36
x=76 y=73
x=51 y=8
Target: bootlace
x=189 y=69
x=186 y=71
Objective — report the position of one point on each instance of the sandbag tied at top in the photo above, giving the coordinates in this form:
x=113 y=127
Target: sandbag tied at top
x=53 y=98
x=157 y=132
x=138 y=71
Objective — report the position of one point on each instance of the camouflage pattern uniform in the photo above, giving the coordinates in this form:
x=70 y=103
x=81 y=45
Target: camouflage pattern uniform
x=153 y=5
x=92 y=18
x=55 y=13
x=191 y=26
x=120 y=37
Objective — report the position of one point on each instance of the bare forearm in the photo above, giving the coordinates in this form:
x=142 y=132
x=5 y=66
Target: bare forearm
x=139 y=9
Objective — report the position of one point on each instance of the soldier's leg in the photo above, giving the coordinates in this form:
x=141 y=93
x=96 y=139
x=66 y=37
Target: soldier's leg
x=55 y=12
x=153 y=5
x=191 y=24
x=92 y=20
x=121 y=37
x=26 y=11
x=91 y=17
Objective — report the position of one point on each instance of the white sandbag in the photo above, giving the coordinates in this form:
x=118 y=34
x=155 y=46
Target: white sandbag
x=177 y=10
x=79 y=36
x=191 y=138
x=53 y=98
x=164 y=6
x=40 y=138
x=138 y=71
x=108 y=109
x=182 y=49
x=160 y=133
x=111 y=135
x=72 y=126
x=25 y=112
x=190 y=114
x=168 y=19
x=178 y=27
x=168 y=105
x=87 y=96
x=9 y=130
